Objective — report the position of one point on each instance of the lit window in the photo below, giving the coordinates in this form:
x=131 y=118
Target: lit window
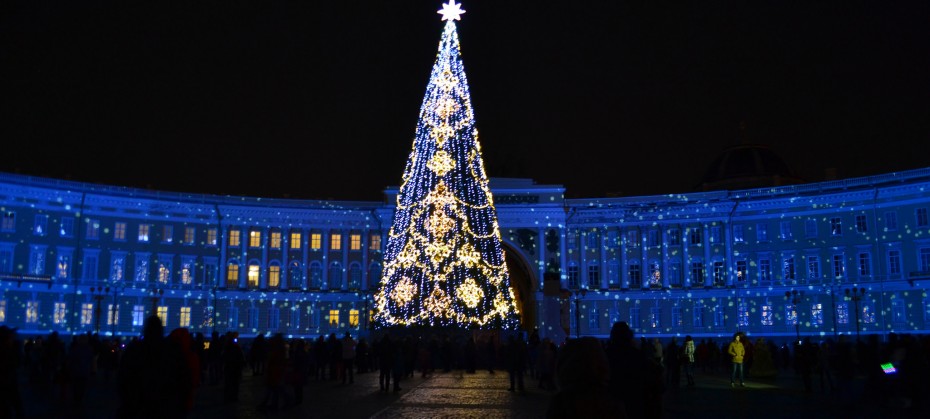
x=355 y=242
x=60 y=315
x=353 y=318
x=116 y=269
x=144 y=232
x=842 y=312
x=375 y=242
x=185 y=318
x=255 y=238
x=32 y=312
x=211 y=237
x=316 y=240
x=275 y=240
x=138 y=315
x=232 y=275
x=2 y=311
x=163 y=315
x=186 y=273
x=336 y=241
x=253 y=275
x=164 y=272
x=817 y=313
x=142 y=267
x=40 y=228
x=234 y=238
x=295 y=240
x=767 y=318
x=839 y=266
x=112 y=315
x=742 y=312
x=274 y=276
x=119 y=231
x=741 y=270
x=791 y=315
x=788 y=270
x=87 y=313
x=813 y=267
x=334 y=318
x=720 y=274
x=655 y=275
x=189 y=235
x=868 y=314
x=167 y=234
x=655 y=317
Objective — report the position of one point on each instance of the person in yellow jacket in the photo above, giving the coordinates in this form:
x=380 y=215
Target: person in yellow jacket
x=737 y=352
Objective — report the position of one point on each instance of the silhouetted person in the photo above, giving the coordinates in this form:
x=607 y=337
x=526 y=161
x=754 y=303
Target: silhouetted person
x=153 y=376
x=516 y=362
x=258 y=353
x=673 y=363
x=583 y=372
x=80 y=366
x=233 y=363
x=274 y=374
x=385 y=362
x=635 y=378
x=300 y=365
x=11 y=403
x=182 y=338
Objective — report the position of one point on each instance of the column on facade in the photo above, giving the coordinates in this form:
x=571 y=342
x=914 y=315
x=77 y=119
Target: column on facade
x=366 y=233
x=705 y=241
x=243 y=259
x=728 y=242
x=563 y=258
x=285 y=259
x=583 y=261
x=624 y=269
x=223 y=268
x=305 y=254
x=265 y=265
x=644 y=268
x=666 y=282
x=541 y=256
x=685 y=255
x=602 y=258
x=324 y=275
x=344 y=248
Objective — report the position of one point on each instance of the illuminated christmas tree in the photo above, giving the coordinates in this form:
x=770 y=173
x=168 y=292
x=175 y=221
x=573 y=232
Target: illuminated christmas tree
x=444 y=263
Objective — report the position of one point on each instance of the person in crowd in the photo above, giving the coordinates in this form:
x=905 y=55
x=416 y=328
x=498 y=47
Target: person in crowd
x=275 y=371
x=348 y=358
x=584 y=372
x=673 y=355
x=689 y=360
x=737 y=352
x=154 y=378
x=516 y=362
x=233 y=363
x=11 y=402
x=258 y=353
x=546 y=364
x=386 y=354
x=299 y=368
x=635 y=378
x=182 y=338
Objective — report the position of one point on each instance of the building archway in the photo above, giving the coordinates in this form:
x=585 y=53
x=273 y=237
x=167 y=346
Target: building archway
x=523 y=281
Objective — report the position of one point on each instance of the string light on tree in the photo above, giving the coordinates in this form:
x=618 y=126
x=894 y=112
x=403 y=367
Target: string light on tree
x=444 y=262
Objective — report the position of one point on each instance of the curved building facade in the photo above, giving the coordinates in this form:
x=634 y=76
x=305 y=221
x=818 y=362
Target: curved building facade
x=822 y=259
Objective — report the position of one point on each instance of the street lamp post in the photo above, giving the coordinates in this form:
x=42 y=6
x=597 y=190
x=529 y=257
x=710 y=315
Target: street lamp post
x=855 y=294
x=578 y=296
x=794 y=297
x=99 y=294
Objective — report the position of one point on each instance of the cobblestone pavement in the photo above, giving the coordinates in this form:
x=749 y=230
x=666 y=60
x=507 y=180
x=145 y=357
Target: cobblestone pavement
x=483 y=395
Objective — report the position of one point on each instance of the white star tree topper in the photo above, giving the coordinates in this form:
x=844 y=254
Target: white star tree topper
x=451 y=11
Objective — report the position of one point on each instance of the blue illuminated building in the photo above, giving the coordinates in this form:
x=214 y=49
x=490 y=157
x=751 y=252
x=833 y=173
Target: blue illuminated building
x=78 y=257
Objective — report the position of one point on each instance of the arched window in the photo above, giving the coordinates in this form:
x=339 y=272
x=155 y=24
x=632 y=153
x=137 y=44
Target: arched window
x=316 y=275
x=334 y=275
x=355 y=276
x=294 y=277
x=374 y=274
x=254 y=274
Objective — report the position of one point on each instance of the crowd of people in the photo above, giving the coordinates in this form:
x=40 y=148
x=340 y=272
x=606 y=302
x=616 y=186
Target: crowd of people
x=159 y=374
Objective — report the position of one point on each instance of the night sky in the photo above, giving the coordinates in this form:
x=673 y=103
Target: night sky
x=320 y=100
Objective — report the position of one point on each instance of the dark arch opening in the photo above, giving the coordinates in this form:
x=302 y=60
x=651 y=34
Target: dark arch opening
x=522 y=279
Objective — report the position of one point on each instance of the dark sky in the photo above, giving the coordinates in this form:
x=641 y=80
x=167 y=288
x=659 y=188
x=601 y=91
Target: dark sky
x=319 y=100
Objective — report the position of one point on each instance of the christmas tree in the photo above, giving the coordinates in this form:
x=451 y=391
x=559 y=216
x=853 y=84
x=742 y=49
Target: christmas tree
x=444 y=263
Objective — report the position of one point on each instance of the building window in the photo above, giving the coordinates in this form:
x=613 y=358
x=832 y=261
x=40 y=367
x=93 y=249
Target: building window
x=894 y=263
x=295 y=240
x=921 y=216
x=116 y=267
x=791 y=315
x=67 y=227
x=655 y=275
x=355 y=242
x=765 y=270
x=375 y=242
x=810 y=228
x=9 y=221
x=738 y=233
x=836 y=226
x=210 y=273
x=211 y=237
x=32 y=312
x=788 y=270
x=784 y=230
x=234 y=238
x=40 y=228
x=653 y=238
x=333 y=318
x=674 y=274
x=255 y=238
x=868 y=314
x=573 y=277
x=142 y=267
x=316 y=275
x=865 y=264
x=742 y=312
x=594 y=277
x=119 y=231
x=254 y=274
x=762 y=232
x=694 y=236
x=839 y=266
x=232 y=275
x=635 y=321
x=335 y=241
x=842 y=312
x=112 y=315
x=167 y=234
x=209 y=317
x=697 y=320
x=719 y=316
x=275 y=240
x=274 y=275
x=676 y=317
x=274 y=318
x=186 y=269
x=591 y=240
x=316 y=240
x=185 y=317
x=60 y=314
x=613 y=274
x=334 y=276
x=253 y=318
x=862 y=225
x=817 y=314
x=189 y=235
x=697 y=273
x=232 y=317
x=741 y=271
x=355 y=276
x=64 y=265
x=163 y=315
x=87 y=313
x=720 y=274
x=353 y=318
x=655 y=317
x=90 y=267
x=93 y=229
x=767 y=318
x=898 y=313
x=924 y=259
x=926 y=311
x=138 y=315
x=813 y=267
x=144 y=233
x=37 y=260
x=632 y=238
x=891 y=221
x=636 y=279
x=374 y=274
x=715 y=235
x=674 y=237
x=164 y=272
